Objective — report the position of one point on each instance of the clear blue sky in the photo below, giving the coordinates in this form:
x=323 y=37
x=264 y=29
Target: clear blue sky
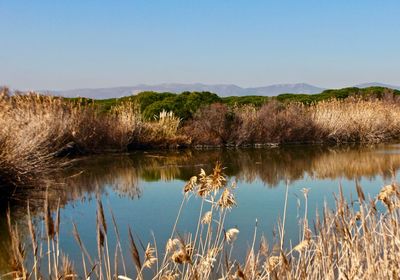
x=92 y=43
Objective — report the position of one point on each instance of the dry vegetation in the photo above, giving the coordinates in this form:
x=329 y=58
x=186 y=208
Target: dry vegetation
x=352 y=120
x=36 y=129
x=355 y=120
x=353 y=241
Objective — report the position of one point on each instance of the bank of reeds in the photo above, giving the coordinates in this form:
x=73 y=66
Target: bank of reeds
x=357 y=120
x=36 y=129
x=353 y=241
x=353 y=120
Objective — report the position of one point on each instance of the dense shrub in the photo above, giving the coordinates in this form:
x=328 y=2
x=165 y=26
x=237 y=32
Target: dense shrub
x=254 y=100
x=329 y=94
x=210 y=125
x=183 y=105
x=36 y=129
x=272 y=123
x=279 y=124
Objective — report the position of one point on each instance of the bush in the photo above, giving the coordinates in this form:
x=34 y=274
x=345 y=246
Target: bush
x=329 y=94
x=210 y=125
x=183 y=105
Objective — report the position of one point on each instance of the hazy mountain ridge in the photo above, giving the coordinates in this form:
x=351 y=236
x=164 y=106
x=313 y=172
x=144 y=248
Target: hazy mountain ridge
x=220 y=89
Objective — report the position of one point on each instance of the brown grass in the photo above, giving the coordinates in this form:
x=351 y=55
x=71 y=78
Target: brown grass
x=336 y=121
x=161 y=133
x=36 y=129
x=356 y=120
x=210 y=126
x=352 y=241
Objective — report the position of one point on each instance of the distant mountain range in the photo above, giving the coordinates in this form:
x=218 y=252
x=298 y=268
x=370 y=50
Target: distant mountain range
x=220 y=89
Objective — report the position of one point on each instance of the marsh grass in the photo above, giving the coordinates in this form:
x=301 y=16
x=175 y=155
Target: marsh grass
x=162 y=132
x=352 y=120
x=357 y=120
x=354 y=240
x=37 y=132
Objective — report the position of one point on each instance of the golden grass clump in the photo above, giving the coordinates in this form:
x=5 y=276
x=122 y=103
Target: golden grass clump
x=357 y=120
x=162 y=132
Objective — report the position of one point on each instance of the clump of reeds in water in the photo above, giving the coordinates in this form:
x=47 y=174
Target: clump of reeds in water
x=352 y=241
x=37 y=131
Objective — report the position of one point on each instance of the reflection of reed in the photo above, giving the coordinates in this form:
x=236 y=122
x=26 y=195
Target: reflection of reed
x=272 y=166
x=277 y=165
x=122 y=173
x=353 y=164
x=92 y=176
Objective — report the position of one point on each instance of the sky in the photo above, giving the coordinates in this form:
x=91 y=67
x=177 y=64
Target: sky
x=93 y=43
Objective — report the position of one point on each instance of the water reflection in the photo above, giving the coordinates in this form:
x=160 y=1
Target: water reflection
x=92 y=176
x=124 y=175
x=271 y=166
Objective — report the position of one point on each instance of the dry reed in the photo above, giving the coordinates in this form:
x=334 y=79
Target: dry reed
x=353 y=120
x=36 y=131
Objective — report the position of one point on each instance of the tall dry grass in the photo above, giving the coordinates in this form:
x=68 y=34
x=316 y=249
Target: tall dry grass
x=162 y=132
x=353 y=120
x=354 y=240
x=36 y=129
x=30 y=136
x=357 y=120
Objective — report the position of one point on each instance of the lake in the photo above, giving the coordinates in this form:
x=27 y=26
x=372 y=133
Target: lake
x=144 y=189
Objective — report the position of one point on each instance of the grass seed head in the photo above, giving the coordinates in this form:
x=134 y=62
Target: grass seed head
x=302 y=245
x=207 y=218
x=149 y=258
x=190 y=185
x=227 y=199
x=231 y=235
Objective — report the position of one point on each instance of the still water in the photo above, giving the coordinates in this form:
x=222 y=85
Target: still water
x=145 y=190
